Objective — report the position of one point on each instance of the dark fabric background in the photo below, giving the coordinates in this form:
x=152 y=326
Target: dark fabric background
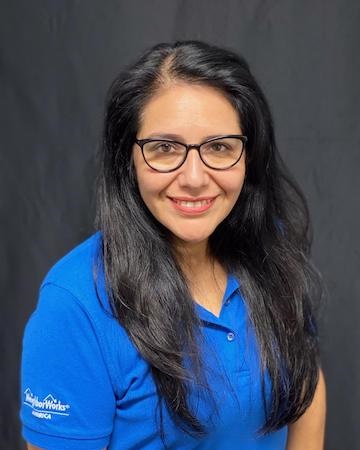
x=57 y=60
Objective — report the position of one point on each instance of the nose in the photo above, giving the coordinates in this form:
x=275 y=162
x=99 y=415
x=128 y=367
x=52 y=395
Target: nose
x=193 y=173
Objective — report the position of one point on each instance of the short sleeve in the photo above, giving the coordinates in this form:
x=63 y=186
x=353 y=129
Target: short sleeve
x=67 y=397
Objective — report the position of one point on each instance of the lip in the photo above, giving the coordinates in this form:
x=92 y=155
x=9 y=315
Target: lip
x=192 y=210
x=192 y=199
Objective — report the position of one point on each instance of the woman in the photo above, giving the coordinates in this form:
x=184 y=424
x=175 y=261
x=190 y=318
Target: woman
x=197 y=326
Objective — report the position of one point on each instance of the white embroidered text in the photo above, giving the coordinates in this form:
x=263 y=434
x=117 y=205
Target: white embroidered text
x=44 y=409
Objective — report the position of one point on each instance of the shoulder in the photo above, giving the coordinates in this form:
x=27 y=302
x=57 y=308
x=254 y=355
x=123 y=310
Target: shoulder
x=66 y=344
x=73 y=314
x=73 y=291
x=74 y=272
x=79 y=275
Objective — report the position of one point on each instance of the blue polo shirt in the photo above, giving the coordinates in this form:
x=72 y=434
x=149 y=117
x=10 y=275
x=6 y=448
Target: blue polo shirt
x=84 y=385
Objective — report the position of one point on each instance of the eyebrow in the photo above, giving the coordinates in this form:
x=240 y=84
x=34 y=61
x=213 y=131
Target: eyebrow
x=178 y=137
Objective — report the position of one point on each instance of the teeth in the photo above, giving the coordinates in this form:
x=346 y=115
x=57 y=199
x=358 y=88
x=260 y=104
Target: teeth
x=193 y=204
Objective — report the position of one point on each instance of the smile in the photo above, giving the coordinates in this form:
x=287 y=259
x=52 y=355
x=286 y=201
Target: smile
x=192 y=207
x=196 y=204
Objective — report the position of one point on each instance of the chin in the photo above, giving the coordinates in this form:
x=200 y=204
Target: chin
x=191 y=238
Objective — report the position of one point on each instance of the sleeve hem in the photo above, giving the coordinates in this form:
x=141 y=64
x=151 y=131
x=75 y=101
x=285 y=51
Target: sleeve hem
x=51 y=442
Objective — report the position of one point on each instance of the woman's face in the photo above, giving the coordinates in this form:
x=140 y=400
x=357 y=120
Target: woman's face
x=190 y=113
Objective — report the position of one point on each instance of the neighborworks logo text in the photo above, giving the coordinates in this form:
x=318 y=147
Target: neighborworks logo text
x=44 y=409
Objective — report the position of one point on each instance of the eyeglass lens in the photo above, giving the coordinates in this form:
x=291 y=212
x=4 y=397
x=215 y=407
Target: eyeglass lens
x=167 y=155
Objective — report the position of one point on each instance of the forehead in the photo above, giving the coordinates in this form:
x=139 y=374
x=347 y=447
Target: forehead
x=189 y=110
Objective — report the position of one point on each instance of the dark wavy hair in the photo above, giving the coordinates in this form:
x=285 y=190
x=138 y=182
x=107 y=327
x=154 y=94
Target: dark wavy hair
x=264 y=241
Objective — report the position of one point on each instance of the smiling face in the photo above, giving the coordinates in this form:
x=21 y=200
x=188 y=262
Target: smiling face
x=194 y=199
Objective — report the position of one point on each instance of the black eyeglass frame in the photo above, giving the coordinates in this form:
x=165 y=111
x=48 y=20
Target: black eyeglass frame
x=142 y=142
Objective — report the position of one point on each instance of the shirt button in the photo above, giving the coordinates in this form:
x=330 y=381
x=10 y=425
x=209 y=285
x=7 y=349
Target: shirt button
x=230 y=336
x=227 y=302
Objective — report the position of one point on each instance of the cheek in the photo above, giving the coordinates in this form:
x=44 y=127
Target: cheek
x=233 y=183
x=152 y=186
x=145 y=181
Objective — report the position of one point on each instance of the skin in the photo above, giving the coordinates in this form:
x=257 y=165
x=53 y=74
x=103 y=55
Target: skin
x=191 y=114
x=308 y=432
x=194 y=112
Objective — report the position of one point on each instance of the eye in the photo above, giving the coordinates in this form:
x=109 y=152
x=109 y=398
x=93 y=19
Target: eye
x=218 y=146
x=164 y=147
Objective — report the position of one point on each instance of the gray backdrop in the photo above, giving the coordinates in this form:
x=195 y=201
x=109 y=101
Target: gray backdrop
x=57 y=60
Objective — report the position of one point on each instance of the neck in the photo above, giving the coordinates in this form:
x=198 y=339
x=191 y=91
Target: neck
x=205 y=276
x=193 y=258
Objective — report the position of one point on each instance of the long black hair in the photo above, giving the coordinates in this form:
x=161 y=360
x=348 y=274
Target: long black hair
x=264 y=241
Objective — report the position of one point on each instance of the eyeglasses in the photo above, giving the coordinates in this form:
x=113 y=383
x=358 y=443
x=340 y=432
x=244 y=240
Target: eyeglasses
x=165 y=155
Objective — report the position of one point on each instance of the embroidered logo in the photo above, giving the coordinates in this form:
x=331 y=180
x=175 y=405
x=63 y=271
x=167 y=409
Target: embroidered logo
x=44 y=409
